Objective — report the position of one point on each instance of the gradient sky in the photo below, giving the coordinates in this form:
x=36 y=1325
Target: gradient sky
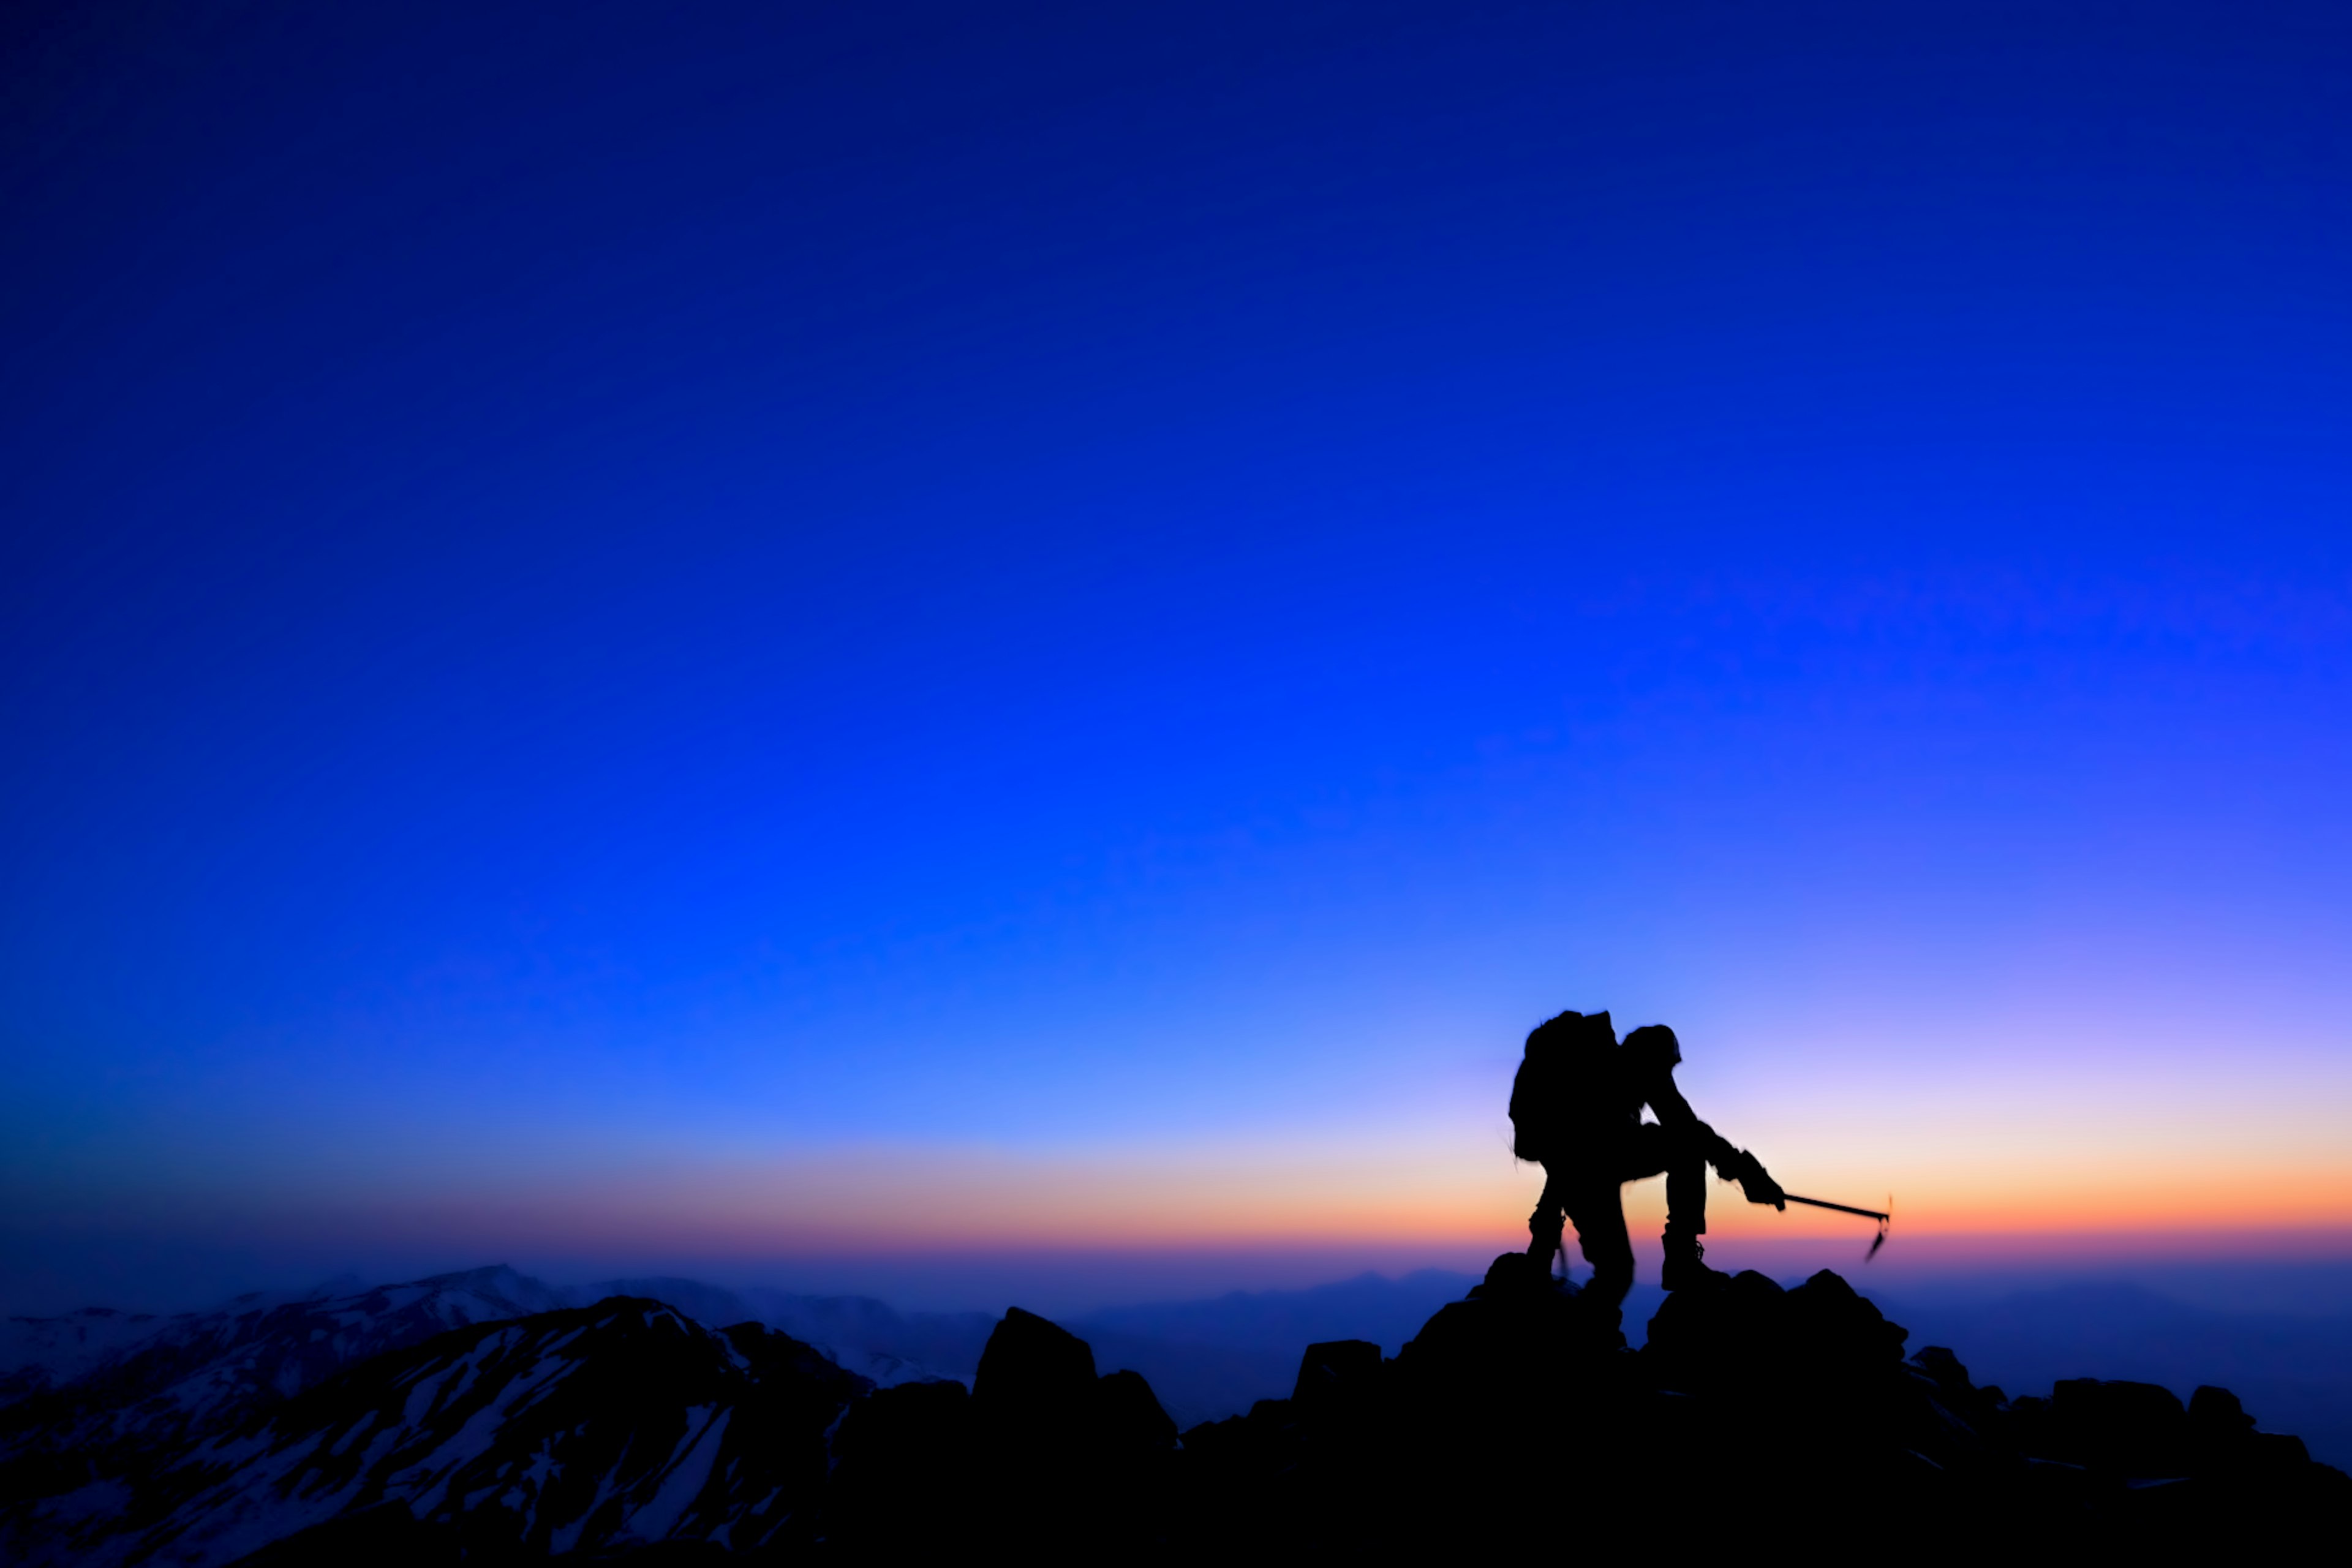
x=761 y=631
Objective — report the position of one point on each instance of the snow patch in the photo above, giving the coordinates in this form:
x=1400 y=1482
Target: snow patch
x=366 y=1420
x=686 y=1479
x=472 y=1439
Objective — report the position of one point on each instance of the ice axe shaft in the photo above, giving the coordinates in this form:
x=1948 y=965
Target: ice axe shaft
x=1841 y=1208
x=1883 y=1218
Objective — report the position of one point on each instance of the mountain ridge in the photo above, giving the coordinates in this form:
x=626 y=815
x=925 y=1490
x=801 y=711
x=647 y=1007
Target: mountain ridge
x=626 y=1425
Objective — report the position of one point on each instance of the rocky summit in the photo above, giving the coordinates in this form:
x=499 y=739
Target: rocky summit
x=1516 y=1418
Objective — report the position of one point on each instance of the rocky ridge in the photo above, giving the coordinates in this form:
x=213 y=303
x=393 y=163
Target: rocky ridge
x=1516 y=1416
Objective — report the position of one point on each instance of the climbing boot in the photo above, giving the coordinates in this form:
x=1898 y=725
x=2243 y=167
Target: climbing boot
x=1686 y=1268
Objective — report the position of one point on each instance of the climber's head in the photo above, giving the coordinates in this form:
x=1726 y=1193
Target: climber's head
x=1656 y=1040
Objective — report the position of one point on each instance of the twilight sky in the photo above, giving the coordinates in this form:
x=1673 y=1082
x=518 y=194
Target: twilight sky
x=752 y=633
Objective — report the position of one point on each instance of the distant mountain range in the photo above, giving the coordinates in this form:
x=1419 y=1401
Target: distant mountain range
x=2296 y=1370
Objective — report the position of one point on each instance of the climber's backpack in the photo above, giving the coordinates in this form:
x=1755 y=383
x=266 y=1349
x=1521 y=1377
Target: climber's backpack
x=1565 y=1067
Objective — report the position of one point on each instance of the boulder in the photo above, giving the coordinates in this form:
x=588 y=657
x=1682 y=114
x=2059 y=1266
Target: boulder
x=1034 y=1375
x=1336 y=1377
x=2135 y=1429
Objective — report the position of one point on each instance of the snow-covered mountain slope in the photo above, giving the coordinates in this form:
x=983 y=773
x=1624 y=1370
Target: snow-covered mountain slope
x=112 y=1406
x=38 y=1353
x=283 y=1341
x=577 y=1430
x=107 y=1413
x=193 y=1372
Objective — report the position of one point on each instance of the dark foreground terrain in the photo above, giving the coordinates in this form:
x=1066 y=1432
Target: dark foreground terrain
x=1516 y=1418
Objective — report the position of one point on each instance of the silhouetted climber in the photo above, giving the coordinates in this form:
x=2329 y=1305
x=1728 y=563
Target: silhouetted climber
x=1576 y=1106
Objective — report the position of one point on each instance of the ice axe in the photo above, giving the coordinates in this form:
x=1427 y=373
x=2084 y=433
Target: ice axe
x=1883 y=1219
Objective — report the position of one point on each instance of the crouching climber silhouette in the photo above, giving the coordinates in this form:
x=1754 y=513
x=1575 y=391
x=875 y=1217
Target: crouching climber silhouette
x=1576 y=1106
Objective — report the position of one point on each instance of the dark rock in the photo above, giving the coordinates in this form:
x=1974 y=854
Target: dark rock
x=2279 y=1451
x=1819 y=1345
x=2216 y=1411
x=1512 y=1273
x=1942 y=1367
x=1336 y=1375
x=1519 y=1324
x=384 y=1536
x=2131 y=1428
x=1058 y=1456
x=1128 y=1419
x=903 y=1479
x=1034 y=1375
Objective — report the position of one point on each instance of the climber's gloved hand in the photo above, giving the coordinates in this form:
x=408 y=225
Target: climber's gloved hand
x=1760 y=1188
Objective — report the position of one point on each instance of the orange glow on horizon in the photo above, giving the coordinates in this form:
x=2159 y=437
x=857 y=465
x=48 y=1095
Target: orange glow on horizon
x=876 y=1201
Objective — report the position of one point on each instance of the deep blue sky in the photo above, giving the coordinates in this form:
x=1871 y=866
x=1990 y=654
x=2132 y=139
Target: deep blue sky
x=1103 y=597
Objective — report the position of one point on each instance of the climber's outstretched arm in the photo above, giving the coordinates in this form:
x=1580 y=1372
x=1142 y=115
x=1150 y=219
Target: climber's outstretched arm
x=1733 y=1164
x=1675 y=1115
